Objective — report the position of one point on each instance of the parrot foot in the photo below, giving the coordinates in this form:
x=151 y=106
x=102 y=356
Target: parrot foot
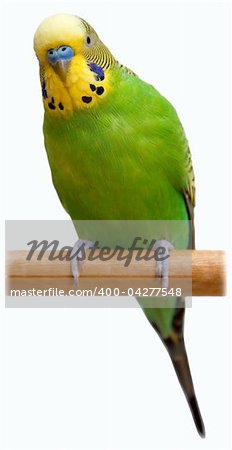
x=79 y=250
x=162 y=267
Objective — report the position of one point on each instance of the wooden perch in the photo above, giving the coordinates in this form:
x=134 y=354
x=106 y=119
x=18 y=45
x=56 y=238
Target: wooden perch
x=197 y=272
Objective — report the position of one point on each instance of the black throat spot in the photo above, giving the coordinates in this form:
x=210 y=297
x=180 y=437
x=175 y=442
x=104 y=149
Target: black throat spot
x=86 y=99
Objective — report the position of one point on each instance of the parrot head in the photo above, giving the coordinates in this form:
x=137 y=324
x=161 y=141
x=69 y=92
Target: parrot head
x=74 y=64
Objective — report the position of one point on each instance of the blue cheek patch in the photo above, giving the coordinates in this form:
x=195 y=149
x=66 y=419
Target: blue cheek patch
x=99 y=72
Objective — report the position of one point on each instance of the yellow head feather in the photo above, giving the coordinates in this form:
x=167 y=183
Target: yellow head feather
x=56 y=30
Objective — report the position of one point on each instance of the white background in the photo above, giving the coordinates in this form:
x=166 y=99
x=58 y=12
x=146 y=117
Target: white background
x=100 y=379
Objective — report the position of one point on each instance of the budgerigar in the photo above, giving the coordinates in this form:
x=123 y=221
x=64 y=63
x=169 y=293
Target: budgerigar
x=117 y=151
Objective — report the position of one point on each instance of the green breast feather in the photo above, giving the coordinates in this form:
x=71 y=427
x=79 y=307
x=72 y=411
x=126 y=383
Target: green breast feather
x=128 y=152
x=122 y=160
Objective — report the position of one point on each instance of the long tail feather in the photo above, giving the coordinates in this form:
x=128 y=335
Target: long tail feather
x=175 y=346
x=180 y=363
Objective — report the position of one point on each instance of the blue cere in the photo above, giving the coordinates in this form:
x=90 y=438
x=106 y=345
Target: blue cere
x=97 y=70
x=65 y=52
x=52 y=56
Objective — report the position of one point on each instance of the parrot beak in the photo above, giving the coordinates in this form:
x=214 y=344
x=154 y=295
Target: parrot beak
x=61 y=68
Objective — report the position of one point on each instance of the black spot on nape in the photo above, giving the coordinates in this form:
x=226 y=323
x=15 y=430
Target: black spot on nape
x=61 y=106
x=100 y=90
x=53 y=100
x=86 y=99
x=51 y=105
x=44 y=90
x=92 y=87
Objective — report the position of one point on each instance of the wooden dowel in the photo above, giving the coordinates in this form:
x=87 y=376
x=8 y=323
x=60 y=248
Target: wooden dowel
x=200 y=272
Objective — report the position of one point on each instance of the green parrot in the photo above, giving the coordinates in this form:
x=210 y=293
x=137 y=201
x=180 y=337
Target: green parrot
x=117 y=152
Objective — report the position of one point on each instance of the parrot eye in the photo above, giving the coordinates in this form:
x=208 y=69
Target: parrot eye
x=88 y=40
x=65 y=52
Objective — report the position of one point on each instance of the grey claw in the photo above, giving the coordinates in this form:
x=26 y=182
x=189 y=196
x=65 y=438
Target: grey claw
x=162 y=267
x=75 y=263
x=158 y=268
